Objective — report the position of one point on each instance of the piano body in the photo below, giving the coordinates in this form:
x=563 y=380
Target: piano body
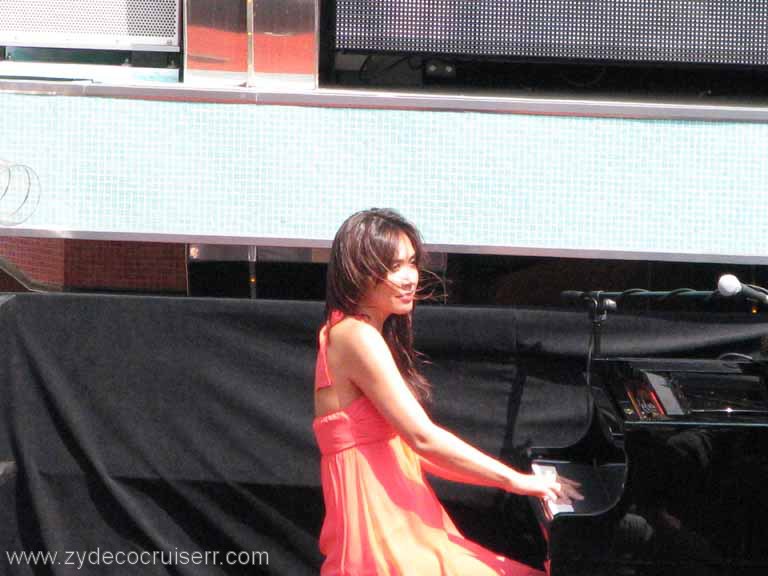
x=673 y=467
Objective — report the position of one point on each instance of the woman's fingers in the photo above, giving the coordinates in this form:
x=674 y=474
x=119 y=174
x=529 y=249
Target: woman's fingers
x=559 y=489
x=570 y=482
x=570 y=488
x=573 y=493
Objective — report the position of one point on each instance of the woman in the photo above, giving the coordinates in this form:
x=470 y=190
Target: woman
x=376 y=440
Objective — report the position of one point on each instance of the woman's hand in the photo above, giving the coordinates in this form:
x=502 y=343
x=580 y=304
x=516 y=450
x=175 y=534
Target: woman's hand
x=543 y=487
x=546 y=487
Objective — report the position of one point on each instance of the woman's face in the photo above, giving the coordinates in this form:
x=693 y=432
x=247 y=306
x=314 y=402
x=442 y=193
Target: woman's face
x=395 y=294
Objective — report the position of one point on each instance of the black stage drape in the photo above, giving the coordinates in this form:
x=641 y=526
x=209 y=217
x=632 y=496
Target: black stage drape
x=182 y=426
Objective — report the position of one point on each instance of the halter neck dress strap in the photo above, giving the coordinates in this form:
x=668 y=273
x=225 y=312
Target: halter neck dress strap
x=322 y=376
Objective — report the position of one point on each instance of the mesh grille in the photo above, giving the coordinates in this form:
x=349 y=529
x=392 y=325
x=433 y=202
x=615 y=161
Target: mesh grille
x=693 y=31
x=147 y=20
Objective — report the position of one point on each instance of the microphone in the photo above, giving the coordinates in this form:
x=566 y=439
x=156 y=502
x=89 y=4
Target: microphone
x=729 y=285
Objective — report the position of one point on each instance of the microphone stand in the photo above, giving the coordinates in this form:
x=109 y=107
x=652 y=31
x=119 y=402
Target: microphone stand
x=597 y=303
x=597 y=307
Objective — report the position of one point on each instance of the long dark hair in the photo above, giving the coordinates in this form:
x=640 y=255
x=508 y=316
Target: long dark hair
x=362 y=254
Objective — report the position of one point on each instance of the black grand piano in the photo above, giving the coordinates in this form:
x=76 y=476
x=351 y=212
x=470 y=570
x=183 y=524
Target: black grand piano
x=673 y=466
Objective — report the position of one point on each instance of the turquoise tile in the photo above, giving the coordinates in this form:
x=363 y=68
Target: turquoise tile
x=509 y=181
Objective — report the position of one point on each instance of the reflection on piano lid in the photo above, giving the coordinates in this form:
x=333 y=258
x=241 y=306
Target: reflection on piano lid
x=670 y=389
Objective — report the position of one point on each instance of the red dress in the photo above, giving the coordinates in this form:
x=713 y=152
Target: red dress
x=382 y=517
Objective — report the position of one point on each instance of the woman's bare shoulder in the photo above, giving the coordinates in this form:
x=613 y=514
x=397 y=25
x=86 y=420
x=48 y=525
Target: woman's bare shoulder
x=353 y=327
x=355 y=335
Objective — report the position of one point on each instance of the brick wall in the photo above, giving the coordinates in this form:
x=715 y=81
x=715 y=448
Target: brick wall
x=98 y=265
x=8 y=284
x=41 y=259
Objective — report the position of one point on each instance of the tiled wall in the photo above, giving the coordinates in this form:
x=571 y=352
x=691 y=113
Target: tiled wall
x=515 y=183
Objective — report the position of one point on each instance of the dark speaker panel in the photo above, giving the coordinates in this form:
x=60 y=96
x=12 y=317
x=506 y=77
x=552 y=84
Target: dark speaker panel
x=727 y=32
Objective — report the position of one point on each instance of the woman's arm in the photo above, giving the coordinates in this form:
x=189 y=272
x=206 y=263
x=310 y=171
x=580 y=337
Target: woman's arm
x=361 y=353
x=446 y=474
x=569 y=489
